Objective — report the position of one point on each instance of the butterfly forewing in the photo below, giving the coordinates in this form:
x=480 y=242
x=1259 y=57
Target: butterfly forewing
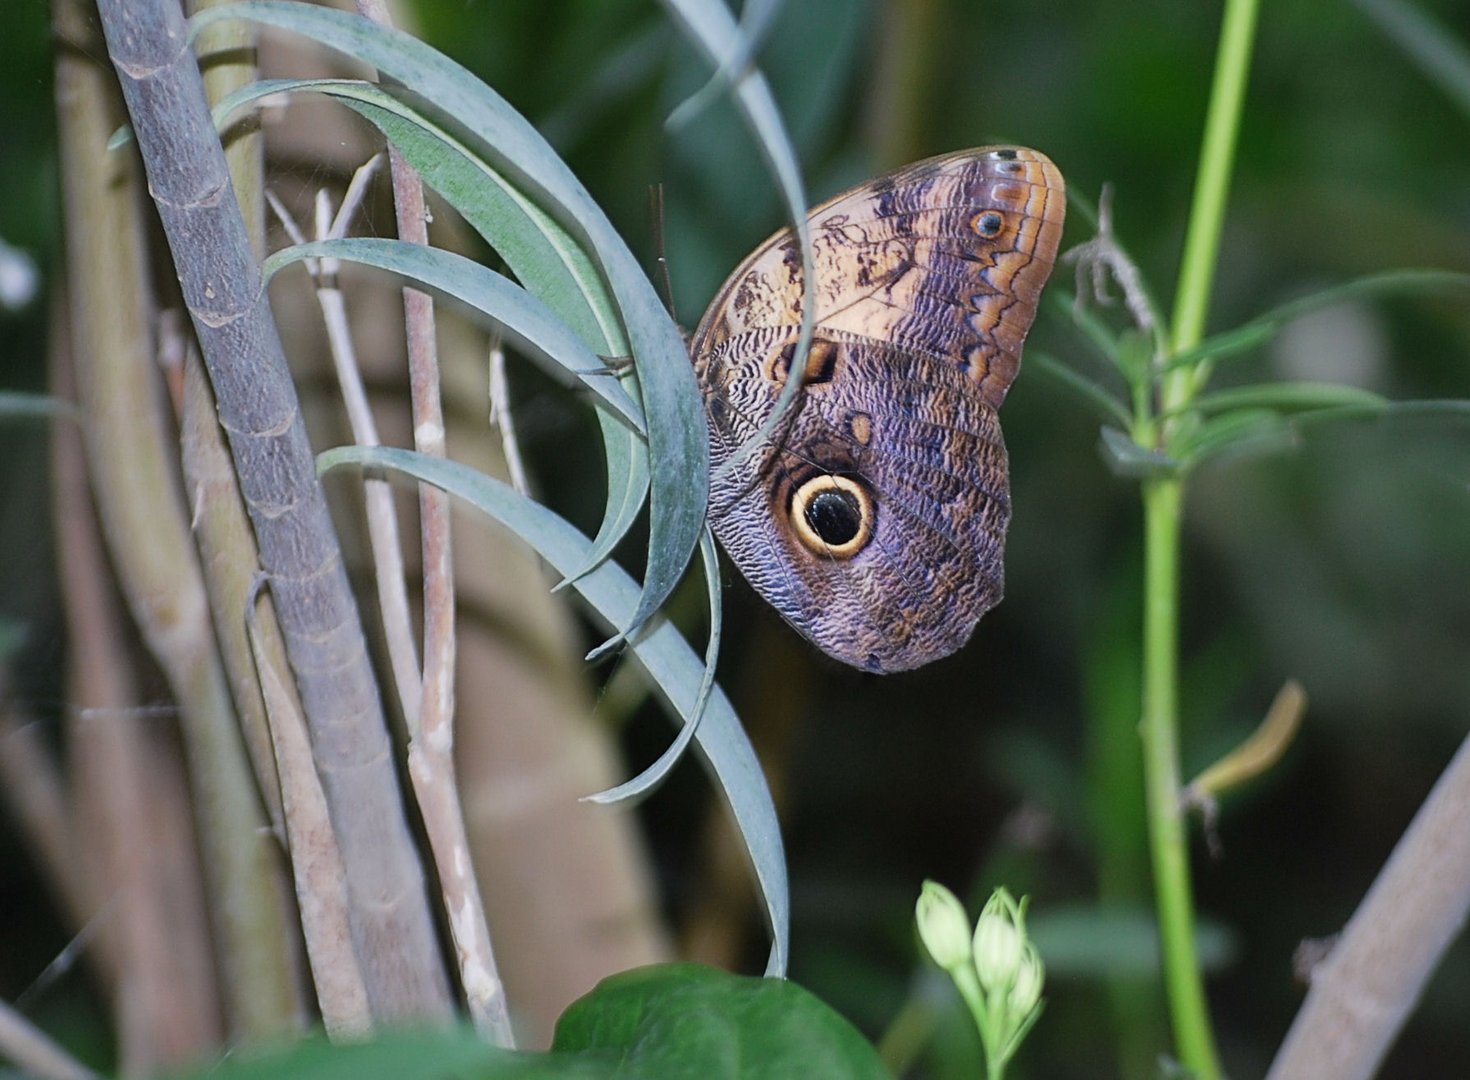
x=874 y=518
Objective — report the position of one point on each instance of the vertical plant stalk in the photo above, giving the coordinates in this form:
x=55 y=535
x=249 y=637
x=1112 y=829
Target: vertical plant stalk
x=393 y=930
x=1211 y=192
x=316 y=861
x=221 y=528
x=136 y=850
x=1168 y=836
x=431 y=745
x=1163 y=499
x=146 y=525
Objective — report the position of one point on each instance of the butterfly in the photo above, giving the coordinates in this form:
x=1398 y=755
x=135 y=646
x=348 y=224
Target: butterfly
x=873 y=515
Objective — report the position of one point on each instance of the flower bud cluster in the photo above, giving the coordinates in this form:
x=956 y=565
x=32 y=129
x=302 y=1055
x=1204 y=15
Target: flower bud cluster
x=995 y=967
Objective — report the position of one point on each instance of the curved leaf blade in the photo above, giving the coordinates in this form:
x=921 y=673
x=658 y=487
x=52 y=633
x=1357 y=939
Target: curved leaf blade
x=650 y=778
x=525 y=319
x=678 y=439
x=674 y=668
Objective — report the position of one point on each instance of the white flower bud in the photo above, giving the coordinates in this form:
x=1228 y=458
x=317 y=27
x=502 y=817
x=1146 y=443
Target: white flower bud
x=1026 y=990
x=943 y=926
x=1000 y=935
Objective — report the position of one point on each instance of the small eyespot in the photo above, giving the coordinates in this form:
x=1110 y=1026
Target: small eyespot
x=989 y=224
x=821 y=362
x=1006 y=155
x=1011 y=168
x=832 y=516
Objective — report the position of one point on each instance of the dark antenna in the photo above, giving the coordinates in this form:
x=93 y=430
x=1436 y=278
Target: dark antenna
x=656 y=215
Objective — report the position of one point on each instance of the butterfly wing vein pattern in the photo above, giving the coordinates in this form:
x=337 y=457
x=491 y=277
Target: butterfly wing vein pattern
x=874 y=517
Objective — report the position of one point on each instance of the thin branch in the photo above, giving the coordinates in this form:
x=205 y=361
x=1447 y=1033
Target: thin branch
x=1365 y=989
x=503 y=420
x=31 y=1049
x=431 y=749
x=382 y=521
x=316 y=861
x=131 y=814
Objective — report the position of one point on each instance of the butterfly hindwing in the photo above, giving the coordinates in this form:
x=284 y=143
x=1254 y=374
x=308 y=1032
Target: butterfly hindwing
x=874 y=517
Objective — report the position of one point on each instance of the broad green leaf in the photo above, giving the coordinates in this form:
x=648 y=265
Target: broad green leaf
x=524 y=319
x=678 y=440
x=673 y=666
x=676 y=1021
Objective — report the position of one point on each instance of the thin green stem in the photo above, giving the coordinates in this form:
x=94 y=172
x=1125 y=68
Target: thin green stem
x=1212 y=187
x=1195 y=1044
x=1162 y=504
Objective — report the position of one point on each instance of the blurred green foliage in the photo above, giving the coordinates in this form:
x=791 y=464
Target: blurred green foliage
x=1340 y=562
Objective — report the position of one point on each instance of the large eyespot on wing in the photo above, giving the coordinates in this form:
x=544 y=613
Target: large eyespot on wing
x=876 y=526
x=946 y=257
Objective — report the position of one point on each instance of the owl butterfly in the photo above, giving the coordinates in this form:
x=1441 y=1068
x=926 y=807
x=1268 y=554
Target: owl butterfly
x=873 y=516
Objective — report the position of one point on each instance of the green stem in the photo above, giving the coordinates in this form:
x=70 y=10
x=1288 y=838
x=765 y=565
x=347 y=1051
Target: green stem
x=1212 y=187
x=1162 y=501
x=1162 y=506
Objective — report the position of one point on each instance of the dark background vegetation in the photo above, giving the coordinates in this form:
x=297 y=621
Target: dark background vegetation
x=1341 y=561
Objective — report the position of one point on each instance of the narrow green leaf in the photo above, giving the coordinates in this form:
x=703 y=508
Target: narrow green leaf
x=539 y=252
x=15 y=404
x=650 y=778
x=678 y=439
x=1263 y=328
x=537 y=249
x=756 y=20
x=1089 y=392
x=712 y=29
x=673 y=666
x=1256 y=432
x=1287 y=396
x=524 y=319
x=1065 y=306
x=1433 y=47
x=626 y=455
x=1126 y=458
x=1097 y=942
x=1236 y=433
